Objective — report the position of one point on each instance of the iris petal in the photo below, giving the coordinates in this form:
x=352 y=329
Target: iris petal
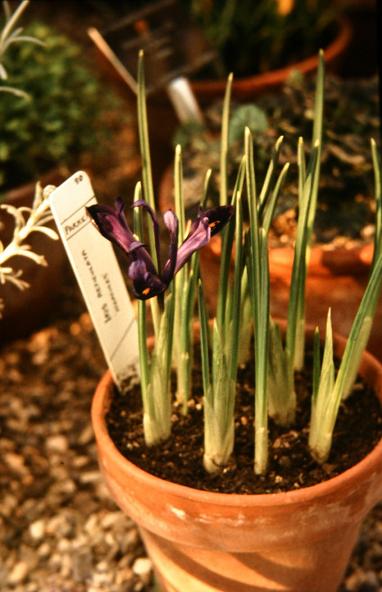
x=199 y=236
x=147 y=281
x=140 y=203
x=112 y=224
x=146 y=284
x=217 y=217
x=171 y=222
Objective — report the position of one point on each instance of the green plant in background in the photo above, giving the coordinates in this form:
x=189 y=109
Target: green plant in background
x=275 y=357
x=260 y=36
x=26 y=220
x=9 y=36
x=66 y=116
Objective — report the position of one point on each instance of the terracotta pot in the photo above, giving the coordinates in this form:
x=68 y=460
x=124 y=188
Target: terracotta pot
x=299 y=541
x=26 y=310
x=247 y=88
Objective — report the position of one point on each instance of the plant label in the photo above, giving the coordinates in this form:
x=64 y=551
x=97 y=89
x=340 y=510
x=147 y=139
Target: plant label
x=98 y=274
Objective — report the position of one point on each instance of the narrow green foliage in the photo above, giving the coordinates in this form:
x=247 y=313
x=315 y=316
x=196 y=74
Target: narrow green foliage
x=330 y=393
x=157 y=418
x=227 y=243
x=144 y=366
x=182 y=353
x=282 y=392
x=219 y=396
x=360 y=332
x=224 y=142
x=321 y=429
x=296 y=309
x=233 y=311
x=281 y=396
x=178 y=192
x=144 y=142
x=204 y=341
x=261 y=355
x=219 y=375
x=155 y=366
x=147 y=179
x=378 y=199
x=284 y=360
x=270 y=206
x=185 y=335
x=269 y=176
x=308 y=192
x=246 y=321
x=316 y=363
x=317 y=138
x=258 y=274
x=206 y=185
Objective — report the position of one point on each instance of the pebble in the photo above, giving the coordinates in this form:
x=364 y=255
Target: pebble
x=111 y=519
x=90 y=477
x=142 y=566
x=86 y=436
x=44 y=550
x=57 y=443
x=15 y=462
x=37 y=529
x=18 y=573
x=101 y=579
x=123 y=575
x=80 y=461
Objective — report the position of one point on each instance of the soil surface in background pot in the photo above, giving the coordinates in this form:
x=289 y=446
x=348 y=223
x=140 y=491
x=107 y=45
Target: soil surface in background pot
x=180 y=459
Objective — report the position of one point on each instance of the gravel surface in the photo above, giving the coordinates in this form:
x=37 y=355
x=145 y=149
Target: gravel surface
x=59 y=530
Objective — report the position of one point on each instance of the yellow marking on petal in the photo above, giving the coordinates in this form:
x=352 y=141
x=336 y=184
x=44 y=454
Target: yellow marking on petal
x=213 y=224
x=146 y=291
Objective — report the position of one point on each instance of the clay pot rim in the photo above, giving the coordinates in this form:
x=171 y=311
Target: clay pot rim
x=276 y=77
x=101 y=401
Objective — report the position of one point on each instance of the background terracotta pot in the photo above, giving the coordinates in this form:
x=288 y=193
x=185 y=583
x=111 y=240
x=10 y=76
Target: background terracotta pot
x=251 y=86
x=336 y=279
x=26 y=310
x=298 y=541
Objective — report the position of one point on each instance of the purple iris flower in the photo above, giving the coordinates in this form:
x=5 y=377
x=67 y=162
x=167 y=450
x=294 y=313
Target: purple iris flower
x=147 y=280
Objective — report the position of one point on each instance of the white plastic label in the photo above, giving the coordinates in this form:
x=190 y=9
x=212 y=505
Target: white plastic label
x=98 y=274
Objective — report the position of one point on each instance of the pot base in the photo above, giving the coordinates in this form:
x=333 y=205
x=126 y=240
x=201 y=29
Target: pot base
x=181 y=568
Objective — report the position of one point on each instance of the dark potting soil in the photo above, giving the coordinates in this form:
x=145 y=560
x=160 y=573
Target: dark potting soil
x=180 y=459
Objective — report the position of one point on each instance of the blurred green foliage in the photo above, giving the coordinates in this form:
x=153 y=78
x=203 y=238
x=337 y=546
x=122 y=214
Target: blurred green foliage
x=253 y=36
x=65 y=116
